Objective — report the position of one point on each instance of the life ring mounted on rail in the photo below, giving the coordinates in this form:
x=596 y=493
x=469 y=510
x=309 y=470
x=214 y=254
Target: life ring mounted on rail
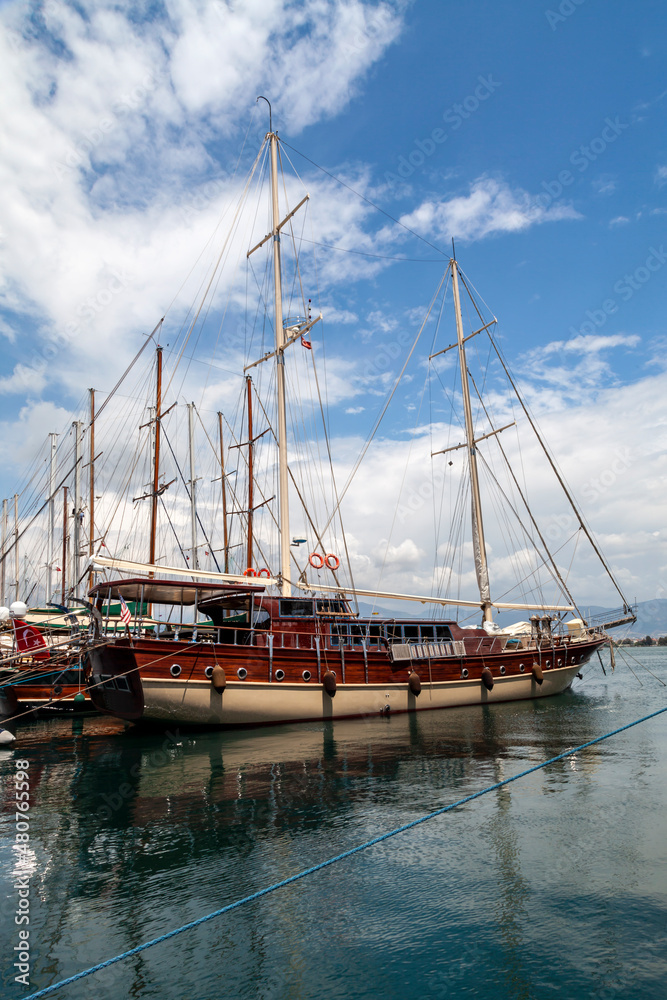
x=330 y=560
x=262 y=573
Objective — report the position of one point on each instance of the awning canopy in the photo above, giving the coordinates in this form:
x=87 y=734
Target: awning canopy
x=170 y=591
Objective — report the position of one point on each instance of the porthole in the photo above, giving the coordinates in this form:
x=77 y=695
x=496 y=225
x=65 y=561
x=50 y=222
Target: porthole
x=573 y=659
x=502 y=670
x=464 y=673
x=548 y=663
x=306 y=675
x=280 y=675
x=522 y=667
x=175 y=670
x=208 y=673
x=242 y=673
x=560 y=663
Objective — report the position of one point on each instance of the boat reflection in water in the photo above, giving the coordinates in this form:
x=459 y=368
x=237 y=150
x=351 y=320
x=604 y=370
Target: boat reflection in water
x=137 y=833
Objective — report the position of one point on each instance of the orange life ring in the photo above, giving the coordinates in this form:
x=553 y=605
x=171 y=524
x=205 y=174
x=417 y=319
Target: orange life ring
x=264 y=573
x=331 y=561
x=316 y=560
x=249 y=571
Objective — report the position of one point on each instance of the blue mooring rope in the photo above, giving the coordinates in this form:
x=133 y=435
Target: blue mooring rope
x=332 y=861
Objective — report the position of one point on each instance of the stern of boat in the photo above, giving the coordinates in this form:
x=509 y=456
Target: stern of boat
x=114 y=684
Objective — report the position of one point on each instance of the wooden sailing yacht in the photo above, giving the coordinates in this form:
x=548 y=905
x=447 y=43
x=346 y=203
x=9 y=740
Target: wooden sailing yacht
x=281 y=649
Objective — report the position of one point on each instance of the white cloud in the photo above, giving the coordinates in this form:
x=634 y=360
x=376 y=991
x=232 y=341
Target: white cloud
x=490 y=207
x=660 y=176
x=24 y=380
x=604 y=185
x=117 y=133
x=620 y=220
x=591 y=344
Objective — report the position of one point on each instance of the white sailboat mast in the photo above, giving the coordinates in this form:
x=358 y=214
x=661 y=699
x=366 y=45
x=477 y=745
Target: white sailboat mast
x=479 y=545
x=50 y=558
x=194 y=564
x=280 y=377
x=5 y=524
x=77 y=428
x=16 y=547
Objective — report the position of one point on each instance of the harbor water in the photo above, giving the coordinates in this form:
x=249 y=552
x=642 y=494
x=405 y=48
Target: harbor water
x=552 y=886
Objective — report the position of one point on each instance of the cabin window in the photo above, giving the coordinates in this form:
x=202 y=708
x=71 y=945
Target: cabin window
x=375 y=634
x=358 y=633
x=411 y=633
x=443 y=632
x=427 y=633
x=339 y=633
x=331 y=608
x=394 y=633
x=296 y=609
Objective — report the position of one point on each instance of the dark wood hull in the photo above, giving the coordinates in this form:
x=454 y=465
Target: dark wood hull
x=170 y=681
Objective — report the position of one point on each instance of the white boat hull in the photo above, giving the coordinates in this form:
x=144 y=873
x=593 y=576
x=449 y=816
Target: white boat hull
x=244 y=703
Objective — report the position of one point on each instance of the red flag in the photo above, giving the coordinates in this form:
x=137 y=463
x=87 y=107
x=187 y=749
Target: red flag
x=306 y=343
x=31 y=641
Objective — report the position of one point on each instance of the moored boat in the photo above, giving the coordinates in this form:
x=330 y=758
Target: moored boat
x=264 y=659
x=284 y=649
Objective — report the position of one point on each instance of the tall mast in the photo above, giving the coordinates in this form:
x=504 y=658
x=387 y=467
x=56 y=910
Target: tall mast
x=479 y=546
x=156 y=456
x=77 y=427
x=193 y=502
x=280 y=378
x=16 y=546
x=5 y=524
x=251 y=497
x=64 y=565
x=91 y=484
x=225 y=538
x=51 y=550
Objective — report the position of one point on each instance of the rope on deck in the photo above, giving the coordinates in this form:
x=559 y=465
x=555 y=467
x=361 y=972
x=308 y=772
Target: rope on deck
x=332 y=861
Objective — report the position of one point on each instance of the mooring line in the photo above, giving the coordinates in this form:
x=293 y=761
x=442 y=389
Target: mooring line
x=331 y=861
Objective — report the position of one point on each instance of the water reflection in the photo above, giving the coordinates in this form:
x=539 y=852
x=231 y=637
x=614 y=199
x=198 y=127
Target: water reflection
x=135 y=833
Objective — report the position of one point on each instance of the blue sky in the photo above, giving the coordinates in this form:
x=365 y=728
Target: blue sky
x=533 y=134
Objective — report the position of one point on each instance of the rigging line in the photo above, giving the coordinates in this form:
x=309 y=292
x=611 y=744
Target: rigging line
x=233 y=176
x=378 y=256
x=406 y=467
x=385 y=407
x=553 y=465
x=129 y=368
x=569 y=496
x=178 y=541
x=333 y=476
x=525 y=503
x=217 y=263
x=339 y=857
x=623 y=650
x=367 y=200
x=189 y=498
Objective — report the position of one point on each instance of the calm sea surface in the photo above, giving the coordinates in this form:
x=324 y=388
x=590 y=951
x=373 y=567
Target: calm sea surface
x=554 y=886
